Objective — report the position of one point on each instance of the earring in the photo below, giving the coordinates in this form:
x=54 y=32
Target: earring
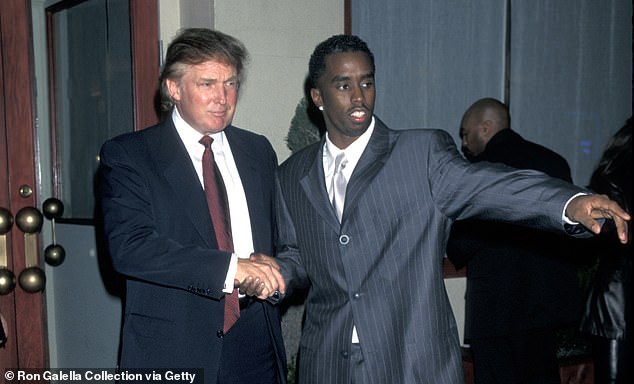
x=321 y=107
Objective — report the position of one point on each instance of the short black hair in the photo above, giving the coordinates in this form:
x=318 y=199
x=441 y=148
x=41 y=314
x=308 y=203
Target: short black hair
x=335 y=44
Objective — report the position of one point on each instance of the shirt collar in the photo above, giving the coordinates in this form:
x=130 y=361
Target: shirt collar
x=191 y=137
x=353 y=151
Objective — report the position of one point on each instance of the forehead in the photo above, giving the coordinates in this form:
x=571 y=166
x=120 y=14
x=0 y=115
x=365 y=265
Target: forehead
x=212 y=69
x=469 y=121
x=348 y=62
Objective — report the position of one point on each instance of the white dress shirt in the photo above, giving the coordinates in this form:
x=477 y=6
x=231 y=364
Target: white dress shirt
x=238 y=208
x=353 y=154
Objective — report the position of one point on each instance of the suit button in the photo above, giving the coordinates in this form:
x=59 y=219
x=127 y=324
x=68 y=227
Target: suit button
x=344 y=239
x=357 y=296
x=344 y=354
x=220 y=334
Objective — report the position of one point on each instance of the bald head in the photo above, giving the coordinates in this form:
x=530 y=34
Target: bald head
x=481 y=121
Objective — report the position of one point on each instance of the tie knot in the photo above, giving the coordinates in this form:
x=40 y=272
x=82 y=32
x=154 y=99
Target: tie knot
x=340 y=162
x=206 y=141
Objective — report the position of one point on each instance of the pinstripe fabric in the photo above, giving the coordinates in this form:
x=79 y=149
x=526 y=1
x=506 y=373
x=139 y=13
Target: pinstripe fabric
x=382 y=266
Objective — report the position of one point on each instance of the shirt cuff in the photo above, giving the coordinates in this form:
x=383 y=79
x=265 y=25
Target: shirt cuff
x=563 y=214
x=231 y=274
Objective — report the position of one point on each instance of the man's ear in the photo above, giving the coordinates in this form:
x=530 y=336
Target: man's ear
x=316 y=96
x=487 y=128
x=173 y=89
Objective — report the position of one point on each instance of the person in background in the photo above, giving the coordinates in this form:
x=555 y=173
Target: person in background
x=608 y=313
x=363 y=220
x=164 y=230
x=521 y=283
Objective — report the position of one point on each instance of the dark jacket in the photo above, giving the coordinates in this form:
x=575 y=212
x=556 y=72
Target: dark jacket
x=517 y=278
x=160 y=236
x=609 y=305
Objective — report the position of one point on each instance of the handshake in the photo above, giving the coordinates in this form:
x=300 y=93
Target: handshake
x=259 y=276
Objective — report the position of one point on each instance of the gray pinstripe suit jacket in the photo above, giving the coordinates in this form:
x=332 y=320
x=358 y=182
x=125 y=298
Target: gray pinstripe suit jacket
x=381 y=268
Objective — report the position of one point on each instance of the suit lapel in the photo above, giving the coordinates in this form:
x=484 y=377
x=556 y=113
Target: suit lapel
x=371 y=162
x=172 y=157
x=314 y=186
x=245 y=163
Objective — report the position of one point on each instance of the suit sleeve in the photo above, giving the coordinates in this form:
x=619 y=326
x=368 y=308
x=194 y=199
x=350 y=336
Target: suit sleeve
x=139 y=232
x=490 y=191
x=287 y=250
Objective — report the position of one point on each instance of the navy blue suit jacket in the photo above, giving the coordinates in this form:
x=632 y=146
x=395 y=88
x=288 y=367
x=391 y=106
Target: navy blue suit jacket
x=160 y=235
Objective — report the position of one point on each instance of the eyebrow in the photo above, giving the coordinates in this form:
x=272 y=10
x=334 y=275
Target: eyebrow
x=214 y=80
x=344 y=78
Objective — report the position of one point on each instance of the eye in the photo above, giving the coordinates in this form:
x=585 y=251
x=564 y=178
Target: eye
x=233 y=84
x=342 y=86
x=367 y=84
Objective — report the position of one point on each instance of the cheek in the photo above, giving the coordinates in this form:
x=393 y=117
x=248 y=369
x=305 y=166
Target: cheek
x=339 y=103
x=370 y=95
x=190 y=98
x=202 y=98
x=232 y=98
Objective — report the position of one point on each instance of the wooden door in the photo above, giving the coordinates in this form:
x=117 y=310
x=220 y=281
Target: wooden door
x=23 y=311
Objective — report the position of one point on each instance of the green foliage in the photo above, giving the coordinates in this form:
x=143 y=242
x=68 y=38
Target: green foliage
x=303 y=131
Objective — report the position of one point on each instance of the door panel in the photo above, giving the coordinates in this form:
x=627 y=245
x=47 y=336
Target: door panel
x=88 y=308
x=20 y=166
x=24 y=312
x=91 y=92
x=103 y=80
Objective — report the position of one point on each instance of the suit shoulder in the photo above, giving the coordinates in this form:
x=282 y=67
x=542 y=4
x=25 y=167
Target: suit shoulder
x=513 y=150
x=133 y=138
x=139 y=147
x=302 y=157
x=427 y=137
x=245 y=134
x=424 y=132
x=251 y=139
x=241 y=132
x=547 y=152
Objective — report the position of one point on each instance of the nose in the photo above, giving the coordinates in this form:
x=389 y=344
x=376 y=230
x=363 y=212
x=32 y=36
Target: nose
x=219 y=95
x=357 y=94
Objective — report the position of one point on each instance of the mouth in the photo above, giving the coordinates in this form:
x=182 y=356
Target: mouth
x=359 y=115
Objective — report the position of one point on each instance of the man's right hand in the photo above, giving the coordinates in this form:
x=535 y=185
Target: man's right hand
x=259 y=276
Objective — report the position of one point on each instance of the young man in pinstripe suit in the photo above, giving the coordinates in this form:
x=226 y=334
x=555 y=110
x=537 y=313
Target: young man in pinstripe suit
x=377 y=310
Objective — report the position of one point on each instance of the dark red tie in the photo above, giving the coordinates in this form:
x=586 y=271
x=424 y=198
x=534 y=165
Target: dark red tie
x=219 y=209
